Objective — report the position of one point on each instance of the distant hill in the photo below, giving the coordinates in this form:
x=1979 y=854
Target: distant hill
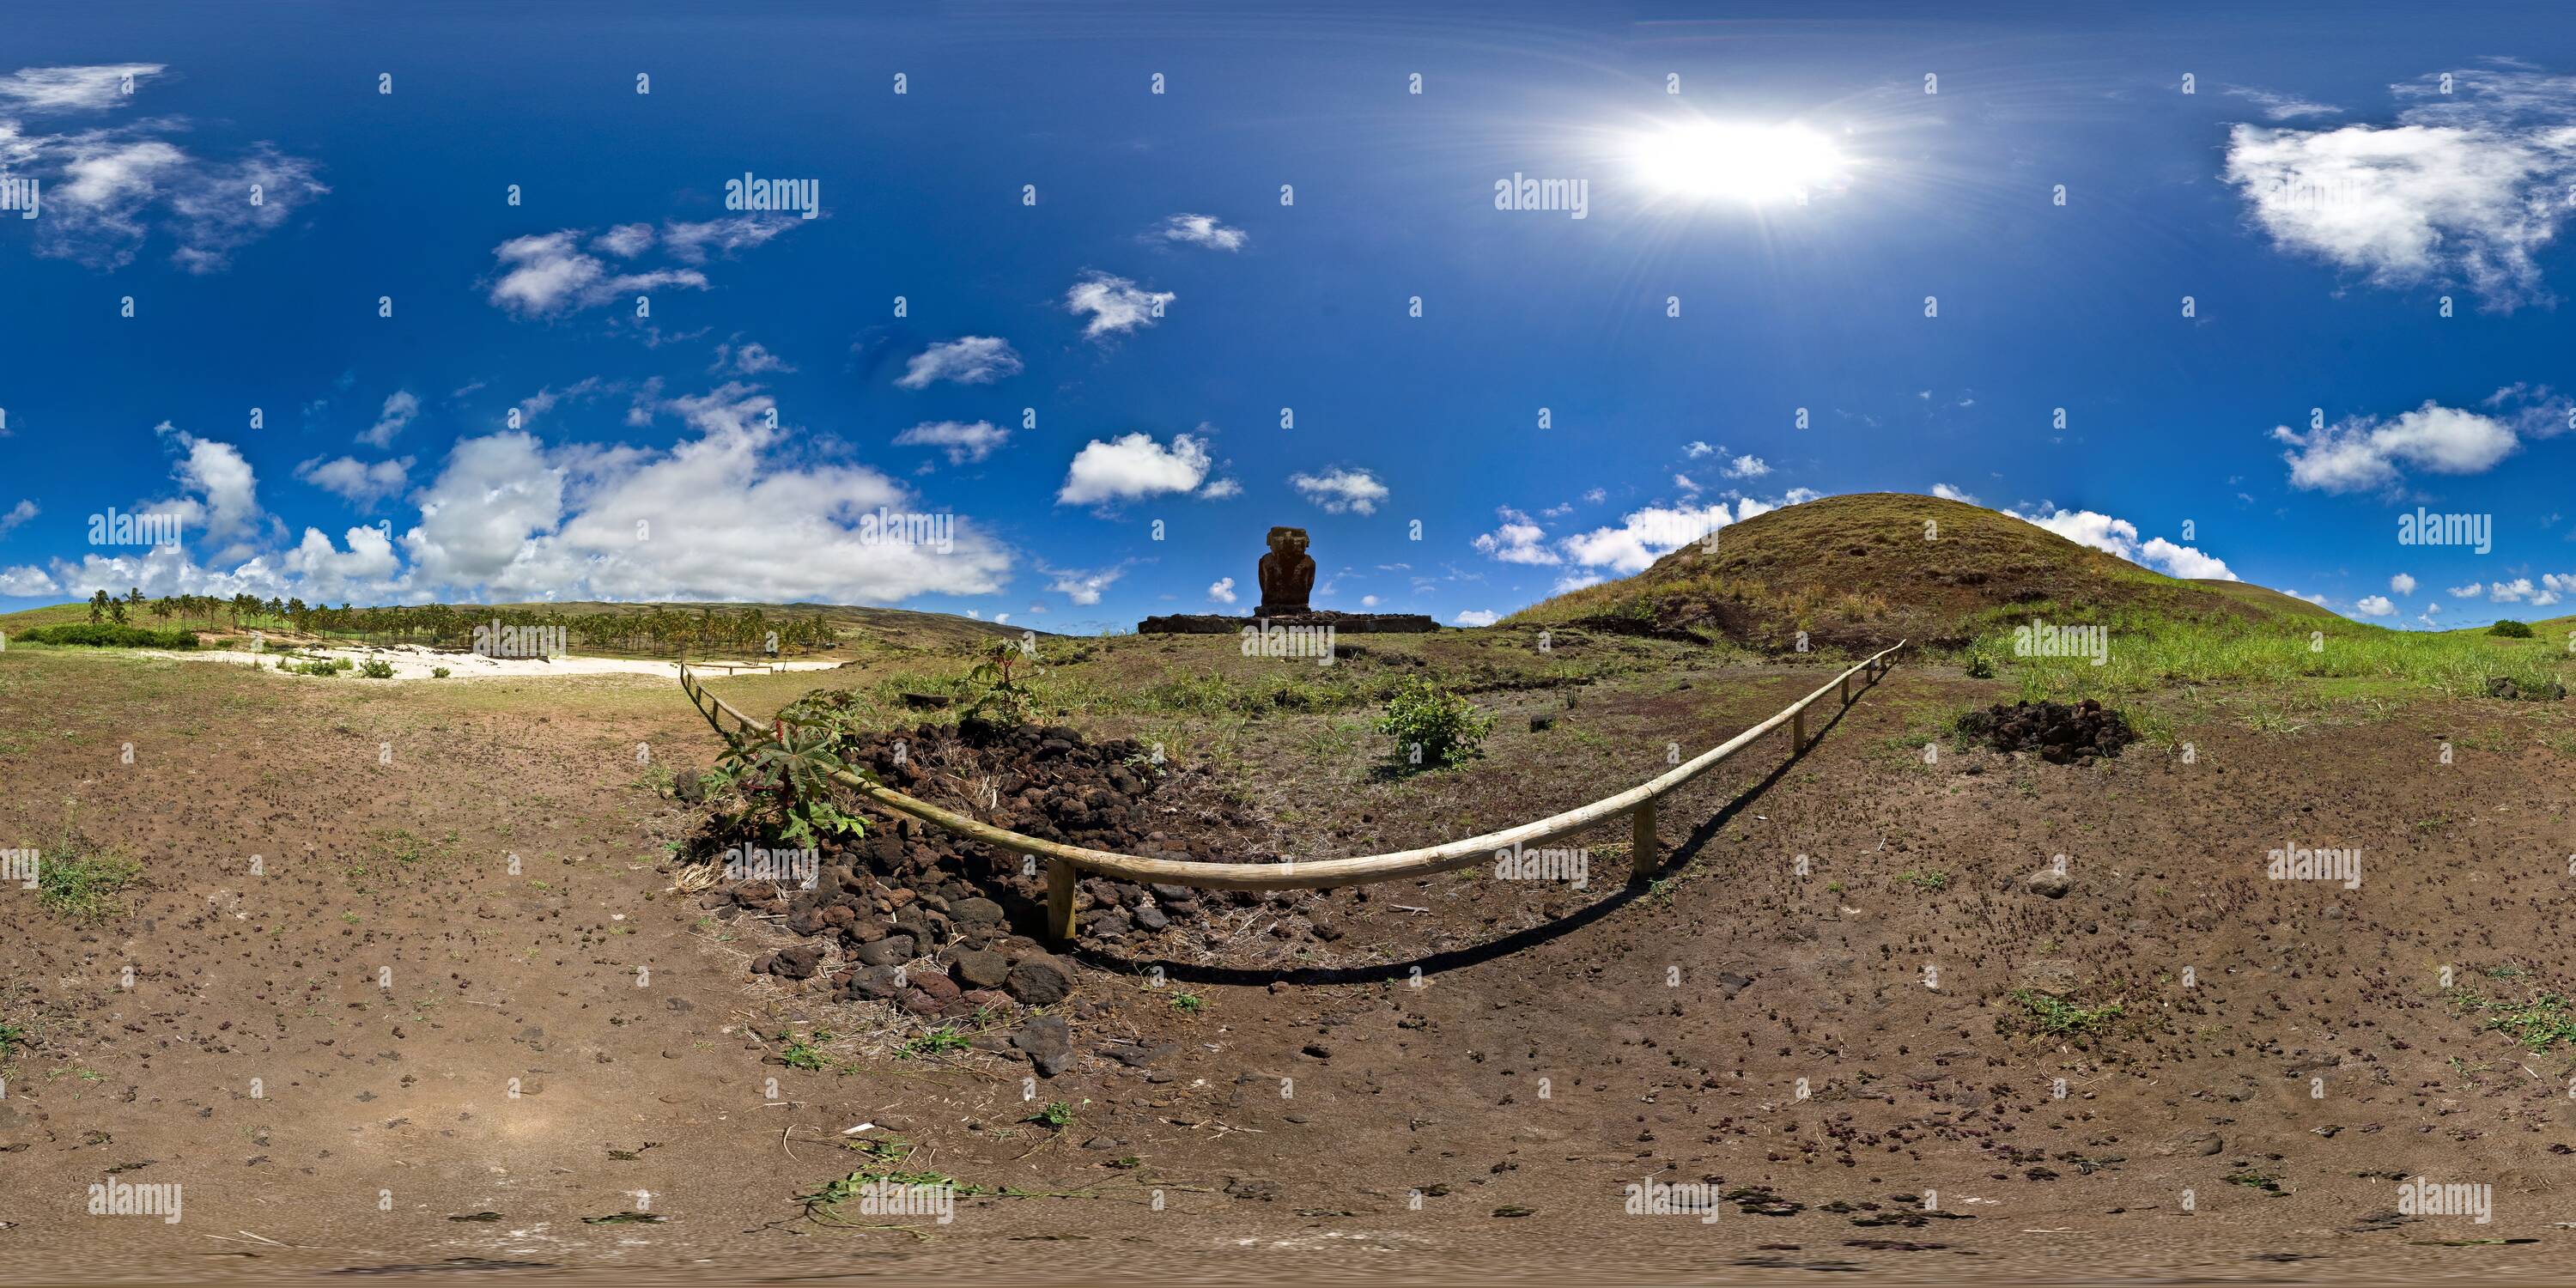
x=859 y=627
x=1857 y=571
x=892 y=627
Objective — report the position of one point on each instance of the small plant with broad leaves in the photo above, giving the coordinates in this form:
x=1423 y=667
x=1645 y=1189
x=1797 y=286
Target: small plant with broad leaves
x=1005 y=698
x=786 y=778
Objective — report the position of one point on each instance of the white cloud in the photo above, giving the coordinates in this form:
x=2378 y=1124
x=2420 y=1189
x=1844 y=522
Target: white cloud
x=1222 y=591
x=2466 y=186
x=966 y=441
x=1131 y=467
x=2283 y=107
x=2318 y=600
x=226 y=504
x=1596 y=496
x=726 y=515
x=2510 y=592
x=2120 y=537
x=1646 y=535
x=1477 y=617
x=2402 y=584
x=367 y=572
x=1519 y=540
x=2362 y=453
x=1746 y=467
x=106 y=189
x=968 y=360
x=1221 y=489
x=1576 y=581
x=359 y=482
x=1340 y=490
x=625 y=241
x=749 y=359
x=18 y=514
x=26 y=581
x=63 y=89
x=1949 y=493
x=398 y=411
x=2374 y=606
x=550 y=274
x=1696 y=449
x=1114 y=304
x=1202 y=230
x=2470 y=591
x=544 y=274
x=692 y=243
x=1083 y=588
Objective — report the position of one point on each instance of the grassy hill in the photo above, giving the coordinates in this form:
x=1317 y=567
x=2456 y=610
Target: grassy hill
x=1859 y=572
x=1868 y=569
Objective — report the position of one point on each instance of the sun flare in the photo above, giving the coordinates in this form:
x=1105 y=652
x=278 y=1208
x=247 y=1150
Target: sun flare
x=1727 y=161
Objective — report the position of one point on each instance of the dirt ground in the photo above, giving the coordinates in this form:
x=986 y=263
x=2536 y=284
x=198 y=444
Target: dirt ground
x=409 y=991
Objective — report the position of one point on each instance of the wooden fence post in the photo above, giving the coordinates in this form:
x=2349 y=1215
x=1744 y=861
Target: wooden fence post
x=1798 y=732
x=1642 y=859
x=1060 y=878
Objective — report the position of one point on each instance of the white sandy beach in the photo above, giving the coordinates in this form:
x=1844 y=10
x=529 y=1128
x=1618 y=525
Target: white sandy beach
x=412 y=662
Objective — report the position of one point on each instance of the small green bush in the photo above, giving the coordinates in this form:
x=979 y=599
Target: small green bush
x=1981 y=665
x=438 y=673
x=1431 y=725
x=2511 y=629
x=109 y=635
x=377 y=670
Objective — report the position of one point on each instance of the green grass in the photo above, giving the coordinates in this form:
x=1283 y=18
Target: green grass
x=2150 y=651
x=14 y=1038
x=84 y=885
x=939 y=1041
x=1932 y=880
x=2542 y=1021
x=2057 y=1015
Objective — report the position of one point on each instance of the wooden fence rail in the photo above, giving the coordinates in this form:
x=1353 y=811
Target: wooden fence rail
x=1066 y=863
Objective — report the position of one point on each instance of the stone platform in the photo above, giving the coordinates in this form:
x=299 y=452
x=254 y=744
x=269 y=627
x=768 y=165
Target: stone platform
x=1342 y=623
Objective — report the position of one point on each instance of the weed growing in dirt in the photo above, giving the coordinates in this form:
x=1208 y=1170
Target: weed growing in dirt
x=2056 y=1015
x=1931 y=880
x=1057 y=1115
x=939 y=1041
x=802 y=1053
x=439 y=673
x=1432 y=726
x=2541 y=1022
x=84 y=885
x=1188 y=1003
x=13 y=1039
x=377 y=670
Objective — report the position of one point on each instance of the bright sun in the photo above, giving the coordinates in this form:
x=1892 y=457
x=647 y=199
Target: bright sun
x=1756 y=164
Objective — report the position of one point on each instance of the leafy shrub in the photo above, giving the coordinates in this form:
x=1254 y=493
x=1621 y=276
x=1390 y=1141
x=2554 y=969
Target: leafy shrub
x=110 y=635
x=2511 y=629
x=377 y=670
x=1981 y=665
x=439 y=673
x=1432 y=725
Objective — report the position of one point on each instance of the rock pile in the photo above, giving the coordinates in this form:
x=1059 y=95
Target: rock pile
x=944 y=927
x=2061 y=734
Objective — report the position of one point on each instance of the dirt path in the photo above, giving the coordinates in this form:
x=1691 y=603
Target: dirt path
x=388 y=975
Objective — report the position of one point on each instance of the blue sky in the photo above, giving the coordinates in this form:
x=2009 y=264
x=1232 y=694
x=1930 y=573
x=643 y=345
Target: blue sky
x=1093 y=382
